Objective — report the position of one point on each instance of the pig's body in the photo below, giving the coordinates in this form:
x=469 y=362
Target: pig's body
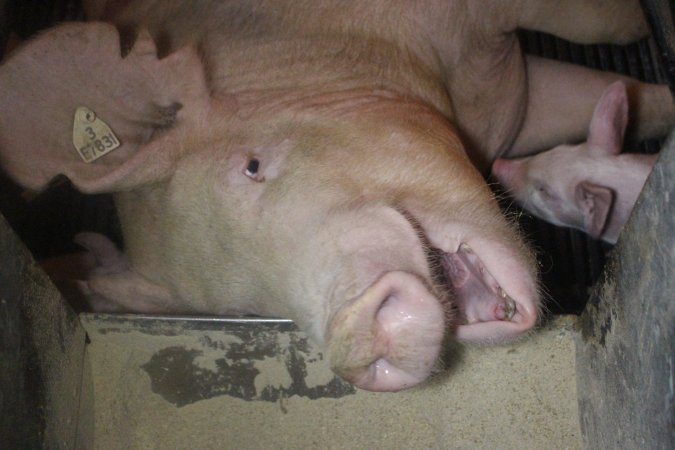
x=267 y=53
x=462 y=57
x=589 y=186
x=306 y=162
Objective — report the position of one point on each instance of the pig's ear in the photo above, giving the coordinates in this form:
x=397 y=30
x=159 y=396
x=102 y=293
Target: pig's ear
x=595 y=203
x=610 y=117
x=72 y=104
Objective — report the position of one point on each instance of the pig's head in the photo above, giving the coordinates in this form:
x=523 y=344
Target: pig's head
x=566 y=185
x=373 y=231
x=356 y=214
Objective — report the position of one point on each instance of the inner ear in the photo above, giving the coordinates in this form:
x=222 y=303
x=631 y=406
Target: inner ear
x=594 y=202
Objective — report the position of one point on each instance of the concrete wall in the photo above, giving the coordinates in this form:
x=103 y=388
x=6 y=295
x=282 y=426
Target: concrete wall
x=41 y=358
x=626 y=348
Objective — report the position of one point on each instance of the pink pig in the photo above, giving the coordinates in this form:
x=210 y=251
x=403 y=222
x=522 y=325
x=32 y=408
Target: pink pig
x=316 y=160
x=590 y=186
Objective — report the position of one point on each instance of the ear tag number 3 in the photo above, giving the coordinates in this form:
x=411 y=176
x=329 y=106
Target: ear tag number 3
x=92 y=137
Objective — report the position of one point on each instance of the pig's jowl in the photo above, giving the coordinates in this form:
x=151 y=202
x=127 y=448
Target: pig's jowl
x=314 y=160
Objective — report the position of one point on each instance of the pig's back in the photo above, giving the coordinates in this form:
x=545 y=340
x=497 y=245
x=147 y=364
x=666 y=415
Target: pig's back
x=282 y=51
x=275 y=45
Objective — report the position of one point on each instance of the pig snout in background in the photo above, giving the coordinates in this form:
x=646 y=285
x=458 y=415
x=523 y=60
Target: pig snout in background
x=263 y=170
x=591 y=186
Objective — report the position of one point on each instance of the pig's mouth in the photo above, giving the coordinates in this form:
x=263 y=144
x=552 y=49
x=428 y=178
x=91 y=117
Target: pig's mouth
x=464 y=275
x=389 y=336
x=467 y=281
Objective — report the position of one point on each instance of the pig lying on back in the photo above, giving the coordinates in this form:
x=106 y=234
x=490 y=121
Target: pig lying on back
x=302 y=159
x=589 y=186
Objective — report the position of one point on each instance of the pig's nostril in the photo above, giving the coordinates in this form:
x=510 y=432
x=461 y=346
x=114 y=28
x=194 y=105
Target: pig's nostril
x=390 y=337
x=387 y=373
x=393 y=311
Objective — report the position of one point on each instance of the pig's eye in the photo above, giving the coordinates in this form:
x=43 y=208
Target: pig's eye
x=252 y=168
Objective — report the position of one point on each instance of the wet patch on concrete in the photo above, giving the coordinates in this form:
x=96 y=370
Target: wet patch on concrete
x=175 y=376
x=265 y=366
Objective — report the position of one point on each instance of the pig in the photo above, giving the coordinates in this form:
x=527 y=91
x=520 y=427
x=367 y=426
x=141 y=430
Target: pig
x=589 y=186
x=315 y=160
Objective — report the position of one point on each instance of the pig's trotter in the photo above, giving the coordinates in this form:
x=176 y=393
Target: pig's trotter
x=108 y=258
x=112 y=286
x=127 y=291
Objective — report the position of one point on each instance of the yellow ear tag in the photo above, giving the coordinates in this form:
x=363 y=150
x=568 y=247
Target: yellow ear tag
x=92 y=137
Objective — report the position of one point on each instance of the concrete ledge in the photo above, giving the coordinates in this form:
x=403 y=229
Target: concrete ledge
x=171 y=383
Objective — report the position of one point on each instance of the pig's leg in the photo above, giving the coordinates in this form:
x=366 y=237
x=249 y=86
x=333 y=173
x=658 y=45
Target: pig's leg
x=586 y=21
x=561 y=99
x=126 y=292
x=112 y=286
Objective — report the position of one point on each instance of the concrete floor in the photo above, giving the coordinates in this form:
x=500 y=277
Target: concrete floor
x=178 y=384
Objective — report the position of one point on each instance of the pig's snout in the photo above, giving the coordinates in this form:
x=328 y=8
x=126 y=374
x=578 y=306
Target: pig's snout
x=389 y=338
x=510 y=173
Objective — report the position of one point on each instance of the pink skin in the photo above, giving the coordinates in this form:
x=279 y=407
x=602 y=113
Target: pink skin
x=392 y=310
x=589 y=186
x=301 y=159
